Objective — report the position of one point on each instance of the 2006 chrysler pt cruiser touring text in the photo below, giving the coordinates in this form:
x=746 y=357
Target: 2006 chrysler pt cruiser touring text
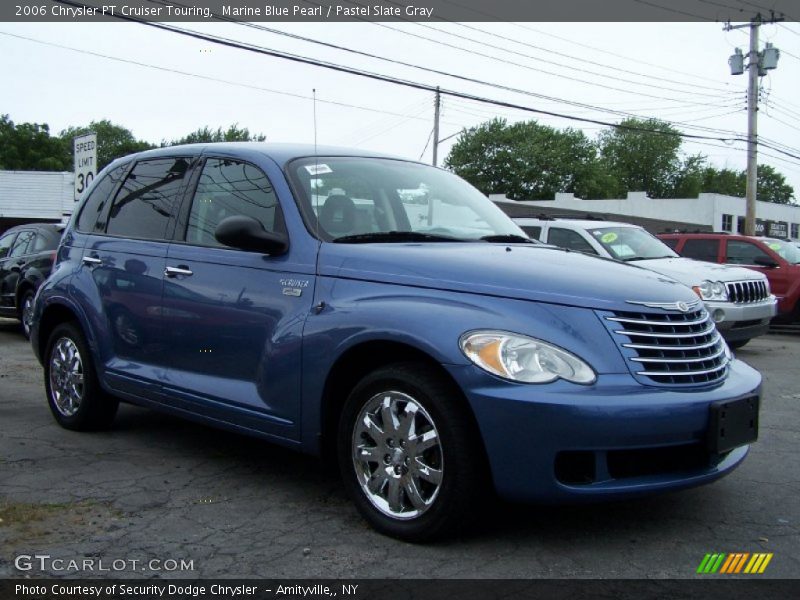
x=386 y=314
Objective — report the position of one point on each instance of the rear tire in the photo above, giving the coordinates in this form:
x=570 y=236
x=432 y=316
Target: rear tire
x=26 y=312
x=409 y=454
x=73 y=392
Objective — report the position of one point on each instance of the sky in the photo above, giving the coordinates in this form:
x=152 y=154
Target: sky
x=672 y=71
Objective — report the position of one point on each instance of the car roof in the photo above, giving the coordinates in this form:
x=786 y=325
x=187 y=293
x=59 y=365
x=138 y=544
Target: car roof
x=281 y=153
x=579 y=223
x=52 y=227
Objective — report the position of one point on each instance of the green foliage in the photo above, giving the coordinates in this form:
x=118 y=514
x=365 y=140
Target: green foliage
x=526 y=160
x=30 y=147
x=113 y=141
x=772 y=186
x=234 y=133
x=640 y=160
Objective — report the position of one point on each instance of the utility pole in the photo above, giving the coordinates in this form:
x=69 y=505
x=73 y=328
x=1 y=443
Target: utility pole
x=752 y=131
x=757 y=66
x=436 y=105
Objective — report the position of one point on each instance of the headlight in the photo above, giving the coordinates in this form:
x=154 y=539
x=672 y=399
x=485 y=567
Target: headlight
x=711 y=290
x=522 y=358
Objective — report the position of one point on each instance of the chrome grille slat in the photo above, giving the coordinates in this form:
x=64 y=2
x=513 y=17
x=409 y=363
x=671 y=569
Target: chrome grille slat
x=659 y=347
x=680 y=360
x=639 y=322
x=706 y=331
x=672 y=348
x=687 y=373
x=746 y=292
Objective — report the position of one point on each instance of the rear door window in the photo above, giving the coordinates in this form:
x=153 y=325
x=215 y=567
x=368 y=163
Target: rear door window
x=572 y=240
x=533 y=231
x=148 y=199
x=707 y=250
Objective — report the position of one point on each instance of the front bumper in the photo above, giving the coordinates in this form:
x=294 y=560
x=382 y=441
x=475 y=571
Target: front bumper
x=614 y=439
x=742 y=321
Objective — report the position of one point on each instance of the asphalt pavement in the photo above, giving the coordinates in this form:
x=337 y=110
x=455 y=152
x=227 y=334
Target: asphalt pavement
x=155 y=490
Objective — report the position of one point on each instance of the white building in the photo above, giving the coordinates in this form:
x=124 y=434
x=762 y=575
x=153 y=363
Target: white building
x=28 y=196
x=716 y=211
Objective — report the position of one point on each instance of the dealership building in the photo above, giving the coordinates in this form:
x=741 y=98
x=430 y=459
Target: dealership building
x=707 y=212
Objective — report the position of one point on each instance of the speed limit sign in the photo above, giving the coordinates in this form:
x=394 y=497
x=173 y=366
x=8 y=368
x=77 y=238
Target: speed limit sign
x=85 y=161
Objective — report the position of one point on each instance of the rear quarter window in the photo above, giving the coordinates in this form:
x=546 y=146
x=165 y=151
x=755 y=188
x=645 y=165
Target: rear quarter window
x=707 y=250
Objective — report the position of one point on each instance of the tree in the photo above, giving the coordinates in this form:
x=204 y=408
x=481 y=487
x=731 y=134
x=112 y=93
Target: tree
x=642 y=155
x=526 y=160
x=113 y=141
x=772 y=186
x=30 y=147
x=724 y=181
x=205 y=135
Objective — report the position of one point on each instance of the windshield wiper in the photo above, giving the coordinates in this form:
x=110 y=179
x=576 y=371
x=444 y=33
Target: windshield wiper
x=632 y=258
x=394 y=236
x=507 y=238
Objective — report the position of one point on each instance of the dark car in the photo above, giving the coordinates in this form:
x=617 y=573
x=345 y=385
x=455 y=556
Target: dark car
x=26 y=258
x=387 y=316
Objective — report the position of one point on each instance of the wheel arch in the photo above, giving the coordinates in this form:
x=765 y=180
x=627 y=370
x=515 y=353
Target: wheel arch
x=359 y=360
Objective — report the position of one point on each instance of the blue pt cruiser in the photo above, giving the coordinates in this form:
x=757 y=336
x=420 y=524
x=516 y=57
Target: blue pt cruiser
x=385 y=314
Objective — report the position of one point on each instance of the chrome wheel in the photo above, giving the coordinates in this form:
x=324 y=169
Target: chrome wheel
x=27 y=314
x=397 y=455
x=66 y=377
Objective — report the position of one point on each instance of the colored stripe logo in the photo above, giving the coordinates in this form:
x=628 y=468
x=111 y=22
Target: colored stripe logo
x=736 y=562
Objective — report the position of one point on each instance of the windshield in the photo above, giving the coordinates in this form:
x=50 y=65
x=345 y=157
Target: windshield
x=787 y=251
x=631 y=243
x=372 y=199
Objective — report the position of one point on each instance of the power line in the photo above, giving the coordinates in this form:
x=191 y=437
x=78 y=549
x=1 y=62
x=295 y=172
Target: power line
x=544 y=60
x=199 y=76
x=403 y=82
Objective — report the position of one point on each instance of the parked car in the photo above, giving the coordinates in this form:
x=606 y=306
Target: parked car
x=739 y=301
x=26 y=257
x=384 y=314
x=778 y=259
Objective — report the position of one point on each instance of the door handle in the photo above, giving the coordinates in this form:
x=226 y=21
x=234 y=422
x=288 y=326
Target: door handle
x=175 y=271
x=91 y=261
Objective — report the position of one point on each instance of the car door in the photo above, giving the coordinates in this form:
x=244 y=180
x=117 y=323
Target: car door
x=6 y=289
x=122 y=273
x=232 y=319
x=12 y=266
x=745 y=252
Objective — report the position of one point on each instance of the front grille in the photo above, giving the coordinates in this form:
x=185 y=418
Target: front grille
x=742 y=292
x=671 y=348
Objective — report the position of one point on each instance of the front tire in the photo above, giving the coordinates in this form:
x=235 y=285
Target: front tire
x=737 y=344
x=73 y=392
x=409 y=456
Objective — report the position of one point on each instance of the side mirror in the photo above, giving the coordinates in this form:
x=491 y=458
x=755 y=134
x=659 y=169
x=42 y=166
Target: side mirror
x=246 y=233
x=765 y=261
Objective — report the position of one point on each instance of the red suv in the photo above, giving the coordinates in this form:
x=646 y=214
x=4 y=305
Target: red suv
x=778 y=259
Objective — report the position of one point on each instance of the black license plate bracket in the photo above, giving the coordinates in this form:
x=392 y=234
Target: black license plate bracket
x=733 y=423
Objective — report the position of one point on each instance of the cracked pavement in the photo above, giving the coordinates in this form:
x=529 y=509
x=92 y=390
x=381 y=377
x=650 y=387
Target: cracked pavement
x=156 y=487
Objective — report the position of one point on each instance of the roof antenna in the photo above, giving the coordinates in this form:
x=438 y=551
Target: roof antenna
x=313 y=189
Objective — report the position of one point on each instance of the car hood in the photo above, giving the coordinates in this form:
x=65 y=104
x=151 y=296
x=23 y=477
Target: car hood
x=520 y=271
x=694 y=272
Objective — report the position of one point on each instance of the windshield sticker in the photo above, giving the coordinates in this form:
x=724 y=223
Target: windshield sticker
x=622 y=250
x=318 y=169
x=775 y=246
x=609 y=238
